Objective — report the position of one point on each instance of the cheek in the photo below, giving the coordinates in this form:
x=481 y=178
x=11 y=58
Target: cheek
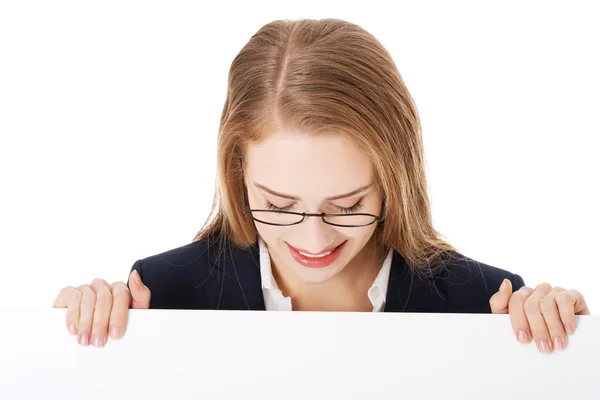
x=270 y=234
x=362 y=234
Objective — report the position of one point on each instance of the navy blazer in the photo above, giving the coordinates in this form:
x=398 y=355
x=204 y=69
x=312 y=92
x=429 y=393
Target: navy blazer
x=209 y=275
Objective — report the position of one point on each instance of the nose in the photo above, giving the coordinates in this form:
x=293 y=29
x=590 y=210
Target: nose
x=315 y=236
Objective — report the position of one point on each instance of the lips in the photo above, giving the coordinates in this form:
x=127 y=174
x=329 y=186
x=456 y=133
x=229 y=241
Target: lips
x=327 y=250
x=316 y=262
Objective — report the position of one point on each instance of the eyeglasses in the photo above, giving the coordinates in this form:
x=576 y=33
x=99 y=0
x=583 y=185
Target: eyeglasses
x=287 y=218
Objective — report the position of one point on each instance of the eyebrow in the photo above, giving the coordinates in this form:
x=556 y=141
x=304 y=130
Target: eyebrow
x=291 y=197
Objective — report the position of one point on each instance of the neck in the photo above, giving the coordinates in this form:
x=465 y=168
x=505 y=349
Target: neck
x=347 y=291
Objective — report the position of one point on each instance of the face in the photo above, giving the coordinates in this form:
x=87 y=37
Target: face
x=311 y=170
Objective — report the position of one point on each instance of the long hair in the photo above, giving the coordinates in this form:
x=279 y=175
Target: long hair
x=317 y=77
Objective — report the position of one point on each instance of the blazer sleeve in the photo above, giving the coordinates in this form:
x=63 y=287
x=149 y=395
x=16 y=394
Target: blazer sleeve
x=469 y=285
x=517 y=282
x=208 y=274
x=169 y=286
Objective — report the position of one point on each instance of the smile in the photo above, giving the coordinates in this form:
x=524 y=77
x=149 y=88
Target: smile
x=316 y=260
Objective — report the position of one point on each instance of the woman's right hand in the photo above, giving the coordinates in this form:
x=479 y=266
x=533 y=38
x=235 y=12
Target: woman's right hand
x=97 y=309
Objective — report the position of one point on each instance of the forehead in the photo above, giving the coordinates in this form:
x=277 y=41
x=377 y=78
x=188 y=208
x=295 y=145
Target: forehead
x=308 y=165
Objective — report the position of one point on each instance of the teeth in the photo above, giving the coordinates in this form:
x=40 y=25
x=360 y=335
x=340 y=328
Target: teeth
x=319 y=256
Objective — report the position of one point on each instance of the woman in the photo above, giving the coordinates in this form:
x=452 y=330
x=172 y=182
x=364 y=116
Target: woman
x=321 y=204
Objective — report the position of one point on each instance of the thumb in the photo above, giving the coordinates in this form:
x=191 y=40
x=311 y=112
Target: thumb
x=140 y=294
x=499 y=301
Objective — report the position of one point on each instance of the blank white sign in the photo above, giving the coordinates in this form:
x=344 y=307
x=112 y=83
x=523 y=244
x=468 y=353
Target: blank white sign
x=184 y=354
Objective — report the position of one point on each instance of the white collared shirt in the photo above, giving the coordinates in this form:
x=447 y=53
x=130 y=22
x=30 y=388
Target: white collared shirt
x=275 y=301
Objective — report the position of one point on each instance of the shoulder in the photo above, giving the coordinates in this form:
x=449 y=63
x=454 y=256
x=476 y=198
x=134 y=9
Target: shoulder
x=453 y=283
x=197 y=275
x=469 y=284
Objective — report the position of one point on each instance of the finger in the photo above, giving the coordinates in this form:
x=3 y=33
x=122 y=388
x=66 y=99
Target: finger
x=120 y=309
x=63 y=297
x=553 y=320
x=139 y=292
x=102 y=311
x=73 y=311
x=499 y=301
x=518 y=319
x=581 y=307
x=88 y=303
x=537 y=322
x=69 y=298
x=566 y=302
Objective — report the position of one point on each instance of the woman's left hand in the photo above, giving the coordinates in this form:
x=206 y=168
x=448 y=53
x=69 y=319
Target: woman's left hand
x=544 y=312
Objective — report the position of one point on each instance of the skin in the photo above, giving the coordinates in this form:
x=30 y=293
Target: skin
x=313 y=168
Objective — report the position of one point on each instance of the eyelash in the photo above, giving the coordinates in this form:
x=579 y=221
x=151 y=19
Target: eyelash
x=344 y=210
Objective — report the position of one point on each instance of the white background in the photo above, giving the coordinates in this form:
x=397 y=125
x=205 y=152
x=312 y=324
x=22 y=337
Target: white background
x=109 y=114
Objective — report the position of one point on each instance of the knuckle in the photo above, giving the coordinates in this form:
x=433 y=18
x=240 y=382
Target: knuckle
x=99 y=282
x=531 y=306
x=104 y=297
x=518 y=297
x=562 y=297
x=119 y=286
x=121 y=292
x=547 y=301
x=88 y=296
x=84 y=287
x=547 y=309
x=66 y=290
x=544 y=287
x=555 y=327
x=576 y=294
x=76 y=294
x=100 y=326
x=85 y=325
x=72 y=314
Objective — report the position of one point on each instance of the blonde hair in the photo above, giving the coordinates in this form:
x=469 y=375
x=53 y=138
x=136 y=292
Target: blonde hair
x=319 y=76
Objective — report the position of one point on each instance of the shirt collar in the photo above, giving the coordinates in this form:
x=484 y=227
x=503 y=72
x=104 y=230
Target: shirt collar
x=266 y=272
x=376 y=293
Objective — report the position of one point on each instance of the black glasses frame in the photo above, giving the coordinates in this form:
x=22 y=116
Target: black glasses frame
x=249 y=212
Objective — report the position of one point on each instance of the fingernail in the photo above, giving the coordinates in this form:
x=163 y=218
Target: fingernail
x=98 y=340
x=83 y=338
x=503 y=285
x=543 y=346
x=136 y=277
x=115 y=332
x=72 y=328
x=569 y=329
x=558 y=344
x=523 y=337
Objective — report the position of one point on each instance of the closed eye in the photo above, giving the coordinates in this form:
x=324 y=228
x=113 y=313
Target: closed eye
x=344 y=210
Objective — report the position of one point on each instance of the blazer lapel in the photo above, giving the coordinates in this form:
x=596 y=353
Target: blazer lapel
x=409 y=293
x=241 y=288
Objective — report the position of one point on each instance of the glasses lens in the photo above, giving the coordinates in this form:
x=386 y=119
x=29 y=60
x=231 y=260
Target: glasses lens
x=274 y=217
x=350 y=220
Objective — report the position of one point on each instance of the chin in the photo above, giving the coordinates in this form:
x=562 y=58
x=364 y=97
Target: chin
x=314 y=279
x=315 y=276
